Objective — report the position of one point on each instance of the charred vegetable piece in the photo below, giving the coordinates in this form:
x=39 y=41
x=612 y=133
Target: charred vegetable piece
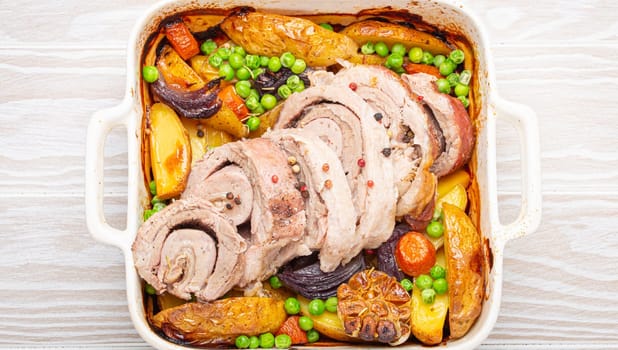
x=176 y=71
x=221 y=321
x=231 y=99
x=292 y=328
x=198 y=104
x=415 y=254
x=170 y=151
x=412 y=68
x=181 y=39
x=464 y=266
x=375 y=307
x=226 y=120
x=304 y=276
x=390 y=34
x=386 y=253
x=271 y=35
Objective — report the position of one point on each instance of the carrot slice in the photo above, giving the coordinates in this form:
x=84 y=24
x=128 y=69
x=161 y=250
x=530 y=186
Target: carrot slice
x=234 y=102
x=181 y=39
x=412 y=68
x=415 y=254
x=291 y=328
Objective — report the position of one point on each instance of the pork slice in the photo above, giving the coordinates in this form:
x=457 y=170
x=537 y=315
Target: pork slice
x=172 y=259
x=331 y=219
x=373 y=188
x=452 y=118
x=413 y=140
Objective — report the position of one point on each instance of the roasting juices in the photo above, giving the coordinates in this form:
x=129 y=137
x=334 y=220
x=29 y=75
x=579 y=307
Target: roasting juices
x=310 y=180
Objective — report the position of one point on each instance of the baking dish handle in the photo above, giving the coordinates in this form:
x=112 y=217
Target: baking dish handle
x=524 y=120
x=101 y=123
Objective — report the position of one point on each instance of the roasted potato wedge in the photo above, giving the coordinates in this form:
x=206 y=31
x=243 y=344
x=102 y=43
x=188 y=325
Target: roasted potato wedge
x=170 y=151
x=200 y=65
x=271 y=35
x=327 y=323
x=446 y=183
x=267 y=120
x=390 y=33
x=221 y=321
x=457 y=196
x=464 y=265
x=428 y=319
x=210 y=138
x=226 y=120
x=176 y=71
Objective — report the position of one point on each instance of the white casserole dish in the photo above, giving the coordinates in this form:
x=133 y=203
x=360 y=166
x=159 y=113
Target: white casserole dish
x=444 y=14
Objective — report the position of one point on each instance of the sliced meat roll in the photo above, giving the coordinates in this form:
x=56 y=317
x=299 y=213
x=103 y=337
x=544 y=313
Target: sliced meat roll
x=346 y=123
x=453 y=119
x=412 y=138
x=254 y=173
x=331 y=220
x=189 y=248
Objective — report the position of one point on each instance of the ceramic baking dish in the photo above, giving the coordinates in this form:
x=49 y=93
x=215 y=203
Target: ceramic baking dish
x=449 y=15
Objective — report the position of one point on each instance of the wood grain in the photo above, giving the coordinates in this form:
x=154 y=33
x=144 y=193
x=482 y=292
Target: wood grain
x=60 y=62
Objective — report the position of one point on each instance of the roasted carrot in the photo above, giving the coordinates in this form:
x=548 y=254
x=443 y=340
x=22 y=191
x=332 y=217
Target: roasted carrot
x=412 y=68
x=234 y=102
x=181 y=39
x=291 y=328
x=415 y=254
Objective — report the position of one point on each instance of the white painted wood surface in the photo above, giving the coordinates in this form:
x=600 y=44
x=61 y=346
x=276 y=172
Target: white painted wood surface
x=61 y=61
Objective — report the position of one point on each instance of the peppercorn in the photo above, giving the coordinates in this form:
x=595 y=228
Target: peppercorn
x=361 y=162
x=328 y=184
x=274 y=179
x=229 y=195
x=386 y=151
x=370 y=183
x=378 y=116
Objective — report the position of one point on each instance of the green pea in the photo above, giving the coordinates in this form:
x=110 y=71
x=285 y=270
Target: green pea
x=443 y=86
x=437 y=271
x=326 y=26
x=274 y=64
x=394 y=61
x=283 y=341
x=268 y=101
x=465 y=77
x=156 y=200
x=313 y=336
x=208 y=47
x=368 y=49
x=453 y=79
x=242 y=342
x=224 y=52
x=457 y=56
x=299 y=66
x=447 y=67
x=264 y=61
x=399 y=49
x=316 y=307
x=267 y=340
x=464 y=100
x=427 y=58
x=254 y=342
x=300 y=87
x=461 y=90
x=243 y=88
x=415 y=55
x=292 y=306
x=153 y=188
x=331 y=304
x=284 y=91
x=215 y=61
x=274 y=281
x=239 y=50
x=226 y=71
x=440 y=286
x=243 y=73
x=407 y=284
x=435 y=229
x=305 y=323
x=252 y=102
x=253 y=123
x=252 y=61
x=287 y=59
x=258 y=110
x=428 y=295
x=293 y=81
x=438 y=60
x=381 y=49
x=255 y=93
x=150 y=289
x=158 y=206
x=437 y=214
x=236 y=60
x=148 y=213
x=150 y=74
x=256 y=72
x=423 y=282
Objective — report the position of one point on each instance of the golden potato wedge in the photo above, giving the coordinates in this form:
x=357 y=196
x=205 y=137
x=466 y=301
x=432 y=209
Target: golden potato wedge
x=200 y=65
x=168 y=301
x=457 y=196
x=446 y=183
x=271 y=35
x=201 y=22
x=226 y=120
x=170 y=151
x=428 y=319
x=210 y=138
x=464 y=265
x=267 y=120
x=391 y=33
x=221 y=321
x=176 y=71
x=327 y=323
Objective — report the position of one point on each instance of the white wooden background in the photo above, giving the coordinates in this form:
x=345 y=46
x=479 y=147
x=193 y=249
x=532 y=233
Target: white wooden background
x=62 y=60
